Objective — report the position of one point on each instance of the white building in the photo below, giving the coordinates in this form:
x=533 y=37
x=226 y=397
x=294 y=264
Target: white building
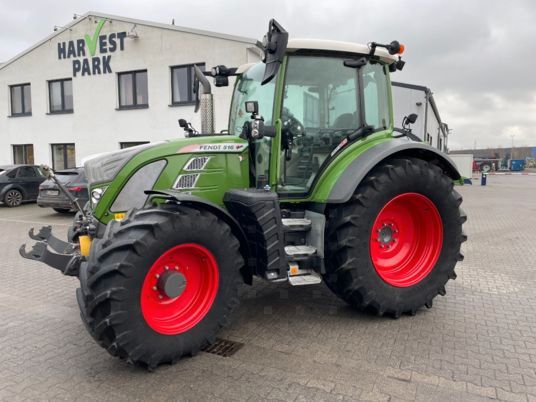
x=103 y=82
x=409 y=98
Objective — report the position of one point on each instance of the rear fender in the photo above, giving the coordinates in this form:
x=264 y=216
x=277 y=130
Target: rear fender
x=357 y=170
x=12 y=187
x=200 y=203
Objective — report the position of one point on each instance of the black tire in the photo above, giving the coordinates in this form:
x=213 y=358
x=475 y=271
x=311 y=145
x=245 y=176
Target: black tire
x=112 y=279
x=62 y=210
x=13 y=198
x=351 y=274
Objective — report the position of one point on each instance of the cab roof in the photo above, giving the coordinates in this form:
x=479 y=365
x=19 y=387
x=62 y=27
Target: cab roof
x=337 y=46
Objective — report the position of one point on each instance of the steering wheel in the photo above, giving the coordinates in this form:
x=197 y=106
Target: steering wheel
x=292 y=129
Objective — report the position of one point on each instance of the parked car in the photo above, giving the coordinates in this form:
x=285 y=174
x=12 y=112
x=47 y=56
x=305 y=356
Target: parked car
x=19 y=183
x=74 y=180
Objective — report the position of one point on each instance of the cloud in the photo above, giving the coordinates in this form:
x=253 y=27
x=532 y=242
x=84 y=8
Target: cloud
x=475 y=56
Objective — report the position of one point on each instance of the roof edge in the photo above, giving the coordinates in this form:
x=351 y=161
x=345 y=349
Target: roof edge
x=133 y=21
x=411 y=86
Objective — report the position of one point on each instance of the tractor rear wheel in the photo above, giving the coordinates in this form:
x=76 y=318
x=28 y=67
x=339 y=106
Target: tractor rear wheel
x=160 y=284
x=392 y=248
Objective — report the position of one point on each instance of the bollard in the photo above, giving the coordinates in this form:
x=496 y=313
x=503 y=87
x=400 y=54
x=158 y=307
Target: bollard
x=483 y=179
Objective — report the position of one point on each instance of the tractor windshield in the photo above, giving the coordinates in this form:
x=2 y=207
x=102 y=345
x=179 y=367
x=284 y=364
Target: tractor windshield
x=323 y=103
x=249 y=88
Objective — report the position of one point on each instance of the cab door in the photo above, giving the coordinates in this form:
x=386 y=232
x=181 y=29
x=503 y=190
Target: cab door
x=321 y=105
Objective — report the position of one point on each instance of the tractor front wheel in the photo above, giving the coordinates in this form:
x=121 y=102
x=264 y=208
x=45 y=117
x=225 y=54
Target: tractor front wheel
x=392 y=248
x=160 y=284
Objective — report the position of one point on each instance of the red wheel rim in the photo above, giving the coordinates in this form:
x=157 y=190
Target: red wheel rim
x=406 y=239
x=196 y=270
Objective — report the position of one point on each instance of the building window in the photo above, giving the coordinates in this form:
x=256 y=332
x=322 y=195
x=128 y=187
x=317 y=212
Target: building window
x=23 y=154
x=182 y=78
x=21 y=100
x=63 y=156
x=124 y=145
x=60 y=94
x=133 y=92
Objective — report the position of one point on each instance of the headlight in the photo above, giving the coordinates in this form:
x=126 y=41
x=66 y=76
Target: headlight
x=104 y=167
x=96 y=195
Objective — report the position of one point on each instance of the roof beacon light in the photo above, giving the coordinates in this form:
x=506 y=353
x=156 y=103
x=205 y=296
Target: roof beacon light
x=393 y=48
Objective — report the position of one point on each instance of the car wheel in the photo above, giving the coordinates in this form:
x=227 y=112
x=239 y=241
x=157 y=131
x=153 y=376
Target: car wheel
x=13 y=198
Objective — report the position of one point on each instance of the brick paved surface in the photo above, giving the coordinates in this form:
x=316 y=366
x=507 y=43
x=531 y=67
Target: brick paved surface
x=477 y=343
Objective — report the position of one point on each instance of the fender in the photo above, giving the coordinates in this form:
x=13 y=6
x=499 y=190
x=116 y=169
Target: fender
x=224 y=215
x=348 y=181
x=12 y=186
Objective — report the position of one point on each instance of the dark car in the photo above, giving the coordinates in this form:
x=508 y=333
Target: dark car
x=19 y=183
x=74 y=180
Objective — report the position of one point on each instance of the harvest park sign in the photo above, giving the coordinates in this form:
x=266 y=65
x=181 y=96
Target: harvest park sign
x=83 y=51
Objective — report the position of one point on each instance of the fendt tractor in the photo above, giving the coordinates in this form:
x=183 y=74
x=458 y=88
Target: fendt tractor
x=311 y=182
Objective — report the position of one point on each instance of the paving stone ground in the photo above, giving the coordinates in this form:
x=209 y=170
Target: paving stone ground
x=476 y=343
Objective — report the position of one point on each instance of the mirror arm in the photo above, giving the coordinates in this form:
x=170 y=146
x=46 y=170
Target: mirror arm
x=406 y=132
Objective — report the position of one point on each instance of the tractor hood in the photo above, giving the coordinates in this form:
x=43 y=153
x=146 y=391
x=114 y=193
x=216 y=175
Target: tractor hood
x=204 y=166
x=104 y=167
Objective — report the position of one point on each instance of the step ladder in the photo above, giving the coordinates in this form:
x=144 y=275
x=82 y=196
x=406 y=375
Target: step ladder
x=299 y=253
x=300 y=277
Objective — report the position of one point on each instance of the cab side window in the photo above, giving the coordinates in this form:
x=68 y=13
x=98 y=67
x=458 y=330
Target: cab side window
x=376 y=96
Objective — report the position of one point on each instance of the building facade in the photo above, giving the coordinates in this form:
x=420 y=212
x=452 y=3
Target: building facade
x=104 y=82
x=409 y=98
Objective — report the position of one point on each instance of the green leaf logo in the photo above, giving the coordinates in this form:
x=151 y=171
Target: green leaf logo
x=92 y=41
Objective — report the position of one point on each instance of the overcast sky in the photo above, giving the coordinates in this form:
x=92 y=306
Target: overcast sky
x=477 y=56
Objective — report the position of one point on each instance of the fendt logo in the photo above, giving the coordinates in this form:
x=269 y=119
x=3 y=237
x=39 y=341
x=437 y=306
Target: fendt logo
x=83 y=51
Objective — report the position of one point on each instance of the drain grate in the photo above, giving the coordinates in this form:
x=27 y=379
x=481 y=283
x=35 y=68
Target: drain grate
x=223 y=347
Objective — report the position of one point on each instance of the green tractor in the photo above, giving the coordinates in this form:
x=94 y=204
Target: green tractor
x=311 y=183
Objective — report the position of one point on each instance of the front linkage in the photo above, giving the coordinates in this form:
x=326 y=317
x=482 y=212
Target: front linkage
x=61 y=255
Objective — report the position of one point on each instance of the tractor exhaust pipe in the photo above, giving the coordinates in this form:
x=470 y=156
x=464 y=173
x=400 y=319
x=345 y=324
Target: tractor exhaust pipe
x=204 y=101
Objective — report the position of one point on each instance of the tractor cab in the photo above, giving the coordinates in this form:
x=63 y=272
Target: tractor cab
x=317 y=102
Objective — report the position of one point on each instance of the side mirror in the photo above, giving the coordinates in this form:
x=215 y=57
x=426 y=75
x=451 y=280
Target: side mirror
x=412 y=118
x=274 y=47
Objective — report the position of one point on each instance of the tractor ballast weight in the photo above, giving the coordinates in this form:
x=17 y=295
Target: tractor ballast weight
x=311 y=183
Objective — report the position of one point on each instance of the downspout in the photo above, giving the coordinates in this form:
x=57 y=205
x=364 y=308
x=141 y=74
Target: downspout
x=425 y=139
